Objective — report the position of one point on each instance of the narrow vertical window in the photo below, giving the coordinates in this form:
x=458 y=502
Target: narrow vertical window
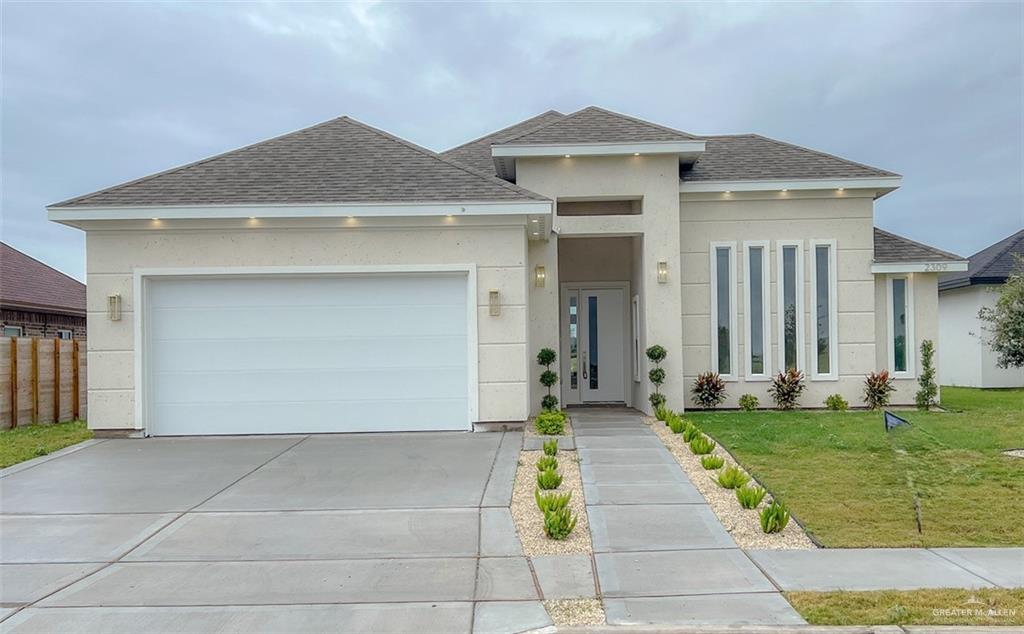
x=756 y=282
x=790 y=306
x=901 y=325
x=592 y=333
x=825 y=327
x=723 y=309
x=573 y=343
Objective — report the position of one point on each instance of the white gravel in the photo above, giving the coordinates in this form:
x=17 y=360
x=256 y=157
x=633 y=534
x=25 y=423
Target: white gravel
x=572 y=612
x=744 y=525
x=530 y=520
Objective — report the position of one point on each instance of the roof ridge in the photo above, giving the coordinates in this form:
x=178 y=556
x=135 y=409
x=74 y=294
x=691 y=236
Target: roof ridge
x=820 y=153
x=599 y=109
x=469 y=170
x=37 y=260
x=921 y=244
x=508 y=127
x=178 y=168
x=1011 y=241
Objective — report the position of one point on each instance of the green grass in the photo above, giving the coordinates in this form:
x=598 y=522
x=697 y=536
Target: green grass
x=853 y=485
x=945 y=606
x=24 y=443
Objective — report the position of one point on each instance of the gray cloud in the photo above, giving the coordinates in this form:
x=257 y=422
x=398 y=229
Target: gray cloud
x=95 y=94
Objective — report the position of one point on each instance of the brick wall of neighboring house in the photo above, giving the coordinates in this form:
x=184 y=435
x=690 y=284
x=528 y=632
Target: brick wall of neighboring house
x=40 y=324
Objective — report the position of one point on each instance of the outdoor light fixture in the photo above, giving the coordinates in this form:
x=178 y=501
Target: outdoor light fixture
x=494 y=301
x=662 y=272
x=114 y=307
x=540 y=276
x=568 y=156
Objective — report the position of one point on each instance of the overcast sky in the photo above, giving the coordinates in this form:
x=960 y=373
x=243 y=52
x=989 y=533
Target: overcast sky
x=96 y=94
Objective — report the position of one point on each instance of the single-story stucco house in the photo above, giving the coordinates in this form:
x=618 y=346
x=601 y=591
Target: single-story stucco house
x=339 y=278
x=965 y=358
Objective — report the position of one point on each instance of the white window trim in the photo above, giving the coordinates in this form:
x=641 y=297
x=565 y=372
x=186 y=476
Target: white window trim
x=800 y=338
x=833 y=312
x=734 y=358
x=21 y=331
x=766 y=308
x=637 y=352
x=910 y=372
x=71 y=333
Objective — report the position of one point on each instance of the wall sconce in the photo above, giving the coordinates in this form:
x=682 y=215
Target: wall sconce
x=540 y=276
x=114 y=307
x=662 y=272
x=494 y=301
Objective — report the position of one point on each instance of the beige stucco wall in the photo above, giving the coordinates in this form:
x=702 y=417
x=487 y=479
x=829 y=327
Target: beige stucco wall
x=653 y=179
x=776 y=216
x=499 y=253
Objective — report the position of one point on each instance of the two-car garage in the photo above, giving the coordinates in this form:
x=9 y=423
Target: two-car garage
x=307 y=352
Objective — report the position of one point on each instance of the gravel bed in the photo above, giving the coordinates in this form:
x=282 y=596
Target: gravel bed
x=744 y=525
x=572 y=612
x=529 y=519
x=529 y=429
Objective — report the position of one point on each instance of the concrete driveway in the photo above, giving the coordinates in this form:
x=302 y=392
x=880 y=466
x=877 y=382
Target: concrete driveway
x=378 y=532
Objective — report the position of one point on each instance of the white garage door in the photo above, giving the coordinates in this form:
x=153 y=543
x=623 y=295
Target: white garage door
x=318 y=353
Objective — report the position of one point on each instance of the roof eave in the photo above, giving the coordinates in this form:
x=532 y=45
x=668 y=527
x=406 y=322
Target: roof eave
x=920 y=266
x=881 y=185
x=505 y=154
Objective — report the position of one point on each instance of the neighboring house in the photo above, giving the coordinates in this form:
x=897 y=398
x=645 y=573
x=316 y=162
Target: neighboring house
x=37 y=300
x=339 y=278
x=965 y=358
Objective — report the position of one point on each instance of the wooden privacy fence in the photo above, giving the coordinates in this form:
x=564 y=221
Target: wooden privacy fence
x=41 y=381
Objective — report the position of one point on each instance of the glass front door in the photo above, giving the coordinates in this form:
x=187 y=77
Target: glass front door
x=594 y=345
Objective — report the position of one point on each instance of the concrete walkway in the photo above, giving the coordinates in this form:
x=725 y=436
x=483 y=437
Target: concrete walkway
x=662 y=556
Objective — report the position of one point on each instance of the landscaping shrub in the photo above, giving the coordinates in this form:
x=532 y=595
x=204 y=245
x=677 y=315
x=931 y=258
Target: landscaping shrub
x=786 y=388
x=676 y=424
x=750 y=497
x=702 y=445
x=712 y=462
x=774 y=517
x=551 y=447
x=656 y=354
x=878 y=389
x=559 y=524
x=548 y=377
x=550 y=423
x=732 y=478
x=547 y=462
x=690 y=432
x=925 y=397
x=662 y=413
x=837 y=403
x=549 y=479
x=551 y=501
x=708 y=390
x=749 y=402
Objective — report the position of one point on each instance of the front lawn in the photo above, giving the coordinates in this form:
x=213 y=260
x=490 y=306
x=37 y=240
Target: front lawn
x=945 y=606
x=853 y=485
x=23 y=443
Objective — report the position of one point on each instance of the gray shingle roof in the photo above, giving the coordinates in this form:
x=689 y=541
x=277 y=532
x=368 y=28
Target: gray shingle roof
x=338 y=161
x=597 y=125
x=991 y=265
x=477 y=153
x=754 y=157
x=891 y=248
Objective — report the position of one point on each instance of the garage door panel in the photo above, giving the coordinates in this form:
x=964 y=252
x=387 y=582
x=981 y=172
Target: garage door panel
x=290 y=354
x=301 y=321
x=311 y=417
x=329 y=384
x=320 y=353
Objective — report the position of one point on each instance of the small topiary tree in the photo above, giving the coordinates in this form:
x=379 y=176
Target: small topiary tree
x=656 y=354
x=786 y=388
x=708 y=390
x=925 y=397
x=548 y=377
x=878 y=388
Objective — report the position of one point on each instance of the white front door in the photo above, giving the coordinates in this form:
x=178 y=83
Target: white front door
x=593 y=345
